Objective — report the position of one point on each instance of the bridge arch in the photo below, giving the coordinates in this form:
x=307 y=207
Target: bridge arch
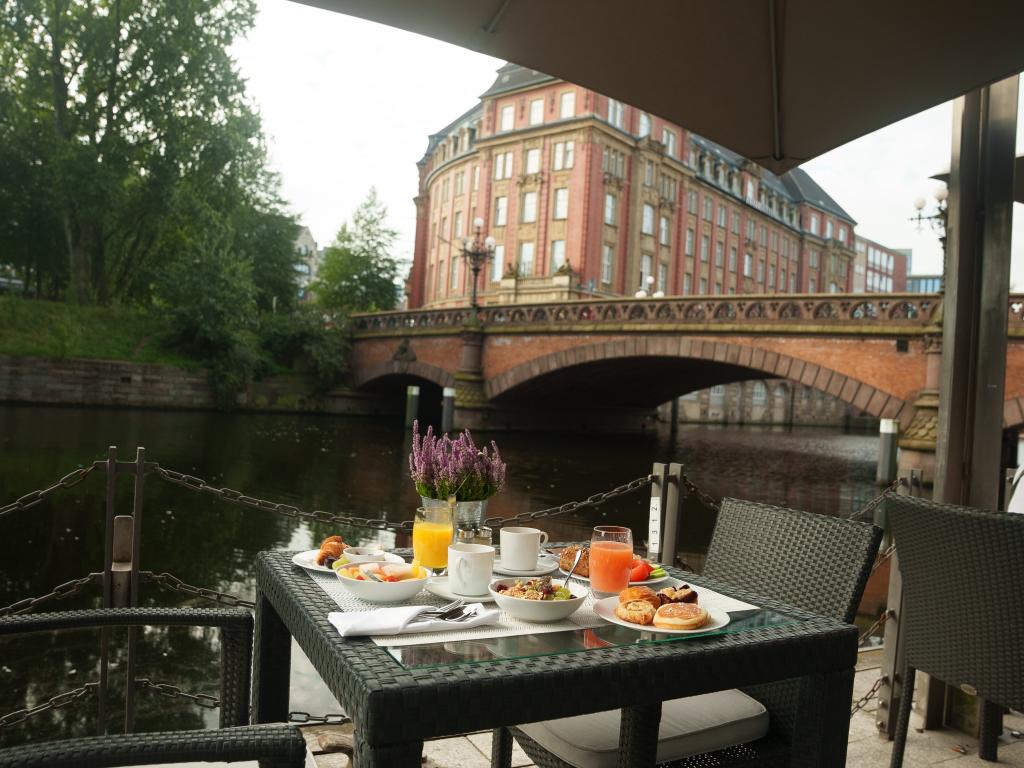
x=732 y=360
x=367 y=375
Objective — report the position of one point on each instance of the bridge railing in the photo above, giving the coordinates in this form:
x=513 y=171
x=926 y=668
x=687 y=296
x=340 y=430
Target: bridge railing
x=889 y=313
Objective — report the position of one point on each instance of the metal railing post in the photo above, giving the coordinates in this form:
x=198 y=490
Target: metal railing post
x=108 y=586
x=888 y=434
x=448 y=409
x=412 y=404
x=133 y=595
x=656 y=516
x=673 y=511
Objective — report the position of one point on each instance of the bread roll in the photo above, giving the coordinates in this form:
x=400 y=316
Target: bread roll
x=569 y=554
x=681 y=616
x=635 y=612
x=640 y=593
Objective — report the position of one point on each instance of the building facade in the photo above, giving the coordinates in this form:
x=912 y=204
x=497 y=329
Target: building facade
x=612 y=200
x=309 y=260
x=924 y=283
x=878 y=269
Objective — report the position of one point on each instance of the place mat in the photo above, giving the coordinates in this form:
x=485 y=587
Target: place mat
x=507 y=626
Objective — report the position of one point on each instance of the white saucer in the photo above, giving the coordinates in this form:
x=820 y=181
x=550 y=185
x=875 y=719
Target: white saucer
x=545 y=565
x=307 y=560
x=438 y=585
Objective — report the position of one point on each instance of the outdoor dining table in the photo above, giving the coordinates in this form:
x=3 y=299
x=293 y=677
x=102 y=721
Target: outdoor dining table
x=398 y=697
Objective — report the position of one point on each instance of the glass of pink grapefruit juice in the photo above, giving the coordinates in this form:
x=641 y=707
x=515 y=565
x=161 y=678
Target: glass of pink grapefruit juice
x=611 y=555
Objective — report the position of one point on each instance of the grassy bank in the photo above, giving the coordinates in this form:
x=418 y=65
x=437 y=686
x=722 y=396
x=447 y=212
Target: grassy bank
x=31 y=328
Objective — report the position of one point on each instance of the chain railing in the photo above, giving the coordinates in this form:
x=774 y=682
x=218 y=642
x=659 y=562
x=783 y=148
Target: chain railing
x=60 y=592
x=173 y=583
x=59 y=701
x=70 y=480
x=595 y=500
x=863 y=701
x=169 y=691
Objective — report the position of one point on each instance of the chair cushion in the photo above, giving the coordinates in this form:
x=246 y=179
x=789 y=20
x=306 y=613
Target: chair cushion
x=689 y=726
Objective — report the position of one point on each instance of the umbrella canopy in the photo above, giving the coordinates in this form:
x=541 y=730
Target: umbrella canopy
x=778 y=81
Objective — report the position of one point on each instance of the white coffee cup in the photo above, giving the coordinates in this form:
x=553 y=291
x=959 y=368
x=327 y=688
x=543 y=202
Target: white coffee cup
x=469 y=568
x=520 y=547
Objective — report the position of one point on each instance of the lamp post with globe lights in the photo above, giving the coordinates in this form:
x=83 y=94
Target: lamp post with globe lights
x=937 y=220
x=477 y=252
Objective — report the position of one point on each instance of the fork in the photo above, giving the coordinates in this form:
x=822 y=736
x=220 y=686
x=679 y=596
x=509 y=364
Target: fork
x=435 y=612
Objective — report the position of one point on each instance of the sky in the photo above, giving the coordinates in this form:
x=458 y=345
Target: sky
x=348 y=105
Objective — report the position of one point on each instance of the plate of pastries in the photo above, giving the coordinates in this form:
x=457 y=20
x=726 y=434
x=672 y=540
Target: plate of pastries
x=641 y=571
x=671 y=610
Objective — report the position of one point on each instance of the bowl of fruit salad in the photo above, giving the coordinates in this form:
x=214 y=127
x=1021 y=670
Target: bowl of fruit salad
x=383 y=582
x=539 y=599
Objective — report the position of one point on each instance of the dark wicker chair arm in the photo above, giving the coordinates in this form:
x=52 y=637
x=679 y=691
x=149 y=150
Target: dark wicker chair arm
x=275 y=746
x=236 y=631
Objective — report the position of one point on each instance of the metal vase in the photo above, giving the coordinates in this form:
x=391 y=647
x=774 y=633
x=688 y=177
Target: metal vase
x=468 y=514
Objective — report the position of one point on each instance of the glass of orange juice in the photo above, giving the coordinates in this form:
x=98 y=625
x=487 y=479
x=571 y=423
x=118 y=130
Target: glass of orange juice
x=432 y=533
x=611 y=554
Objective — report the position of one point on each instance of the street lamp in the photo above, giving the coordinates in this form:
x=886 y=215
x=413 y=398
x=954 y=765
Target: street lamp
x=476 y=252
x=936 y=220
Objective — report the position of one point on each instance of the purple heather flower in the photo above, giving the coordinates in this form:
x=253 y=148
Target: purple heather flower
x=442 y=466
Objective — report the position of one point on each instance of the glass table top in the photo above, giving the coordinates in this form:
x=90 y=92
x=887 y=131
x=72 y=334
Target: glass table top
x=570 y=641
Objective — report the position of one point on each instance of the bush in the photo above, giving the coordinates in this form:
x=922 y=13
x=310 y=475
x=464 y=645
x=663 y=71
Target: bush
x=307 y=339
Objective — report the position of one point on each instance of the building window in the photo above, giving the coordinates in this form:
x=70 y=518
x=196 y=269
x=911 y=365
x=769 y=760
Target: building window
x=764 y=235
x=508 y=118
x=771 y=276
x=529 y=207
x=760 y=271
x=607 y=255
x=662 y=277
x=476 y=177
x=649 y=173
x=647 y=223
x=498 y=264
x=440 y=277
x=503 y=166
x=750 y=191
x=689 y=242
x=445 y=234
x=814 y=224
x=609 y=209
x=775 y=241
x=645 y=125
x=533 y=161
x=613 y=162
x=687 y=285
x=500 y=211
x=759 y=394
x=708 y=208
x=748 y=265
x=536 y=111
x=792 y=281
x=668 y=138
x=645 y=270
x=703 y=286
x=692 y=201
x=705 y=247
x=718 y=287
x=842 y=234
x=663 y=231
x=568 y=105
x=458 y=223
x=616 y=111
x=735 y=222
x=460 y=182
x=782 y=278
x=732 y=258
x=557 y=254
x=563 y=155
x=828 y=229
x=719 y=253
x=444 y=189
x=455 y=274
x=526 y=259
x=722 y=213
x=812 y=258
x=812 y=285
x=562 y=203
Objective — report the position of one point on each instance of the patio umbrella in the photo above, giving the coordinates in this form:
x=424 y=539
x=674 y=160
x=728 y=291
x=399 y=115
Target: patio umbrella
x=778 y=81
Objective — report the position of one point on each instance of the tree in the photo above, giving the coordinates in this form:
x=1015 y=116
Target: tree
x=111 y=107
x=359 y=271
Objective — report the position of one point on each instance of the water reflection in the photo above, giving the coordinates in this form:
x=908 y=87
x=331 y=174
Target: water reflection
x=345 y=465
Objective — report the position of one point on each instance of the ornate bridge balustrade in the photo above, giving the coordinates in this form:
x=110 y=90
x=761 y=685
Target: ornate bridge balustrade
x=543 y=361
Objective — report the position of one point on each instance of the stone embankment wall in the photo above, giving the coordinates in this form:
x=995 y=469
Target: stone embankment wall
x=73 y=381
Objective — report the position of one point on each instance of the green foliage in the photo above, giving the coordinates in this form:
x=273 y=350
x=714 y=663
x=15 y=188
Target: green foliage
x=303 y=339
x=359 y=271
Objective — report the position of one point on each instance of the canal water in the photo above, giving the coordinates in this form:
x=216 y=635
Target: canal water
x=351 y=466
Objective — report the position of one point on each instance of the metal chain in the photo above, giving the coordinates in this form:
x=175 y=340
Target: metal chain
x=174 y=692
x=70 y=480
x=591 y=501
x=172 y=582
x=883 y=557
x=862 y=702
x=870 y=506
x=55 y=702
x=331 y=719
x=887 y=614
x=60 y=592
x=703 y=497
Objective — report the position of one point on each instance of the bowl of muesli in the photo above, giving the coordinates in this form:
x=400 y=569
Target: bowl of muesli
x=537 y=599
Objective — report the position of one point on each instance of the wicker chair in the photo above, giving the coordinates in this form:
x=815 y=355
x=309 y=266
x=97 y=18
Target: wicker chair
x=817 y=563
x=274 y=746
x=963 y=607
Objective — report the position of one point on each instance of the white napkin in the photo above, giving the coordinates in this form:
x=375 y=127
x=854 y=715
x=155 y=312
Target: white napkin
x=400 y=620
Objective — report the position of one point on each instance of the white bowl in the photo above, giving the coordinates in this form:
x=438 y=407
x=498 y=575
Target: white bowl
x=538 y=610
x=384 y=591
x=356 y=555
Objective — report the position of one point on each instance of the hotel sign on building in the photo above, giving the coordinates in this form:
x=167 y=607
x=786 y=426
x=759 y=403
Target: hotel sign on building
x=586 y=196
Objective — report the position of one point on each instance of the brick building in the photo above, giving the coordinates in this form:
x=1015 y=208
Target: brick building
x=878 y=269
x=588 y=196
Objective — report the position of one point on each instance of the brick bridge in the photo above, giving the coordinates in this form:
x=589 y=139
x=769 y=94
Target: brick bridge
x=609 y=363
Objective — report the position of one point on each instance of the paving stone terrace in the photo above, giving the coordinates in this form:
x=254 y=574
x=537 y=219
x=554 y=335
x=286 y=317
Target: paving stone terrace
x=867 y=749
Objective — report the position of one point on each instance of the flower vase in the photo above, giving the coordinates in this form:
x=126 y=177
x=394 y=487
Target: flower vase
x=468 y=514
